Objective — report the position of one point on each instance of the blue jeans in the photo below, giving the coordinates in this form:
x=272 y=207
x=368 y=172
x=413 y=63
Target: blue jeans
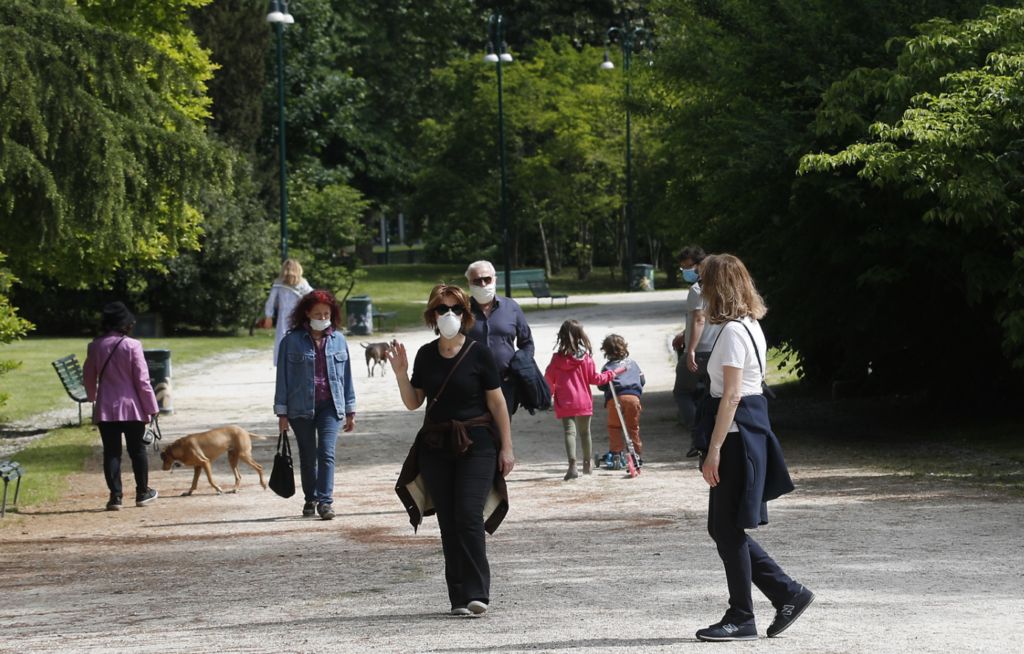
x=315 y=439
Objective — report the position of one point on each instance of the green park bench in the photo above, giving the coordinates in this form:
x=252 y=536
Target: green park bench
x=540 y=289
x=70 y=374
x=520 y=278
x=381 y=318
x=10 y=470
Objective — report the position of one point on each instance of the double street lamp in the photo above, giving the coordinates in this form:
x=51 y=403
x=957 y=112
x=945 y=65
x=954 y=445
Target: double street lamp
x=279 y=19
x=494 y=35
x=627 y=38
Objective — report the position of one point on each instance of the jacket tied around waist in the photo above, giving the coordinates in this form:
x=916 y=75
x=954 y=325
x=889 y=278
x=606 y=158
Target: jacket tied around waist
x=412 y=489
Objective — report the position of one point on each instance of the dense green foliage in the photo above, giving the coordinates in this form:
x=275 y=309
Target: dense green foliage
x=856 y=281
x=99 y=166
x=948 y=133
x=11 y=326
x=565 y=144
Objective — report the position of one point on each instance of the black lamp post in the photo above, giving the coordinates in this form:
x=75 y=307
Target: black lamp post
x=626 y=40
x=281 y=18
x=494 y=36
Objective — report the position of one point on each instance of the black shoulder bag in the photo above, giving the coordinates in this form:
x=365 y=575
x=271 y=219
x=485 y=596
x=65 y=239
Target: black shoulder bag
x=282 y=476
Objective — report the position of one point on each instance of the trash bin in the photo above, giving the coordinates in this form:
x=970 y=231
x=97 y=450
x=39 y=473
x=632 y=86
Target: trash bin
x=359 y=312
x=643 y=277
x=159 y=363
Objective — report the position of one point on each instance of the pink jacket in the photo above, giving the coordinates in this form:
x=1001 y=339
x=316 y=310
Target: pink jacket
x=570 y=380
x=126 y=393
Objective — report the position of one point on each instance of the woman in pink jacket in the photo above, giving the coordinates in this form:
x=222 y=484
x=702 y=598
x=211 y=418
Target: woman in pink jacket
x=117 y=382
x=570 y=375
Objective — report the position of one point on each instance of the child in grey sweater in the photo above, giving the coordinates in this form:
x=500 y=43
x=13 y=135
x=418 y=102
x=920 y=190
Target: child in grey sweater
x=629 y=385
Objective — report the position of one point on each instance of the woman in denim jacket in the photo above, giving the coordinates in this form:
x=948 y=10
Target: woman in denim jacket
x=314 y=389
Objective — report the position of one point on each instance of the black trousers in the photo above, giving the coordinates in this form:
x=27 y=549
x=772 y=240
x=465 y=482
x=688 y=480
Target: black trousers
x=745 y=561
x=133 y=431
x=459 y=486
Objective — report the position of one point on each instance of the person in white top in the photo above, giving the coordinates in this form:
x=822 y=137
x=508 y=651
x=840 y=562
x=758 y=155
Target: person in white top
x=743 y=462
x=285 y=293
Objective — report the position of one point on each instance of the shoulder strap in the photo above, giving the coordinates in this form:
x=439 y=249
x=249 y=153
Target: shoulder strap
x=465 y=351
x=757 y=352
x=104 y=368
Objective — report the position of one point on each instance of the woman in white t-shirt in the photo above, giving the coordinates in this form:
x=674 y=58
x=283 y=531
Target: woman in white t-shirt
x=743 y=463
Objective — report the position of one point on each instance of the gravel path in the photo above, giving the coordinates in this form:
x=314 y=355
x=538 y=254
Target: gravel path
x=605 y=564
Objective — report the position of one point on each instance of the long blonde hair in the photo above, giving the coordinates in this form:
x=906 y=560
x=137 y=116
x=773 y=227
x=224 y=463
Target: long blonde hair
x=291 y=272
x=728 y=290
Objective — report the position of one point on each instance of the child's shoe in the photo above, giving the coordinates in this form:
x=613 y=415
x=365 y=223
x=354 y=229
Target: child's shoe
x=586 y=467
x=572 y=473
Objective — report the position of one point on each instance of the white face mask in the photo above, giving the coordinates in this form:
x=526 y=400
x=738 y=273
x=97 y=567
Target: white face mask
x=483 y=294
x=449 y=324
x=319 y=325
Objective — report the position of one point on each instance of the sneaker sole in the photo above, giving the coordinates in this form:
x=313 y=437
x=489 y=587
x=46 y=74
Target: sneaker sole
x=711 y=639
x=146 y=502
x=477 y=607
x=794 y=618
x=461 y=611
x=113 y=507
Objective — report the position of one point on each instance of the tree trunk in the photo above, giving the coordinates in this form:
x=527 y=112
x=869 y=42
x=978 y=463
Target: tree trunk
x=584 y=251
x=544 y=246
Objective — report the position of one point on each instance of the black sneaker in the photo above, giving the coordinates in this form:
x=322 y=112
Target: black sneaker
x=309 y=509
x=114 y=504
x=728 y=631
x=790 y=611
x=692 y=452
x=146 y=498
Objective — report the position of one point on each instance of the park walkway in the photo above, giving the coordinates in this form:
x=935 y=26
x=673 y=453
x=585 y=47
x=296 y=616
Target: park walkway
x=605 y=564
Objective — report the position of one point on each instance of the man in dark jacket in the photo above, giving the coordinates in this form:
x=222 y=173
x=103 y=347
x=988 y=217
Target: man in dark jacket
x=500 y=325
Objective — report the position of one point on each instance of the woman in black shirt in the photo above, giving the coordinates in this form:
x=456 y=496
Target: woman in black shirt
x=466 y=438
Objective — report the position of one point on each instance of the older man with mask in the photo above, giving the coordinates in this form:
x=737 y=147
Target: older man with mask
x=500 y=324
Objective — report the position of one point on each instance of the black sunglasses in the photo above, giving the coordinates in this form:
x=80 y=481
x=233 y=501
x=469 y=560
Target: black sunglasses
x=482 y=281
x=442 y=309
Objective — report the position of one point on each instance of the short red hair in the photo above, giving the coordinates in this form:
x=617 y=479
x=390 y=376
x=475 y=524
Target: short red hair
x=436 y=295
x=299 y=318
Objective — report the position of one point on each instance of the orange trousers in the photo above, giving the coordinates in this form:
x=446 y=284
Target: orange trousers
x=631 y=410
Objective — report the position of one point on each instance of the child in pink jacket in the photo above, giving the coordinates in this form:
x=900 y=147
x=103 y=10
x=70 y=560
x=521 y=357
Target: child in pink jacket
x=570 y=375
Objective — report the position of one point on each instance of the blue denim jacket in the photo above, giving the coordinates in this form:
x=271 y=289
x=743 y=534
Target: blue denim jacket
x=294 y=394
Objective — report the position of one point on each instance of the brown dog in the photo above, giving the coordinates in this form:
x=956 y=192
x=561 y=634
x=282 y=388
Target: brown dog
x=376 y=352
x=197 y=450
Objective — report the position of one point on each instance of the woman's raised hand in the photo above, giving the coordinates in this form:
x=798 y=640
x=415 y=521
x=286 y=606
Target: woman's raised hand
x=397 y=357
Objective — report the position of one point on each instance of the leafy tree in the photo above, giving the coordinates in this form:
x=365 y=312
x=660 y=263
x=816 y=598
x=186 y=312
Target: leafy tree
x=11 y=326
x=99 y=164
x=222 y=284
x=161 y=24
x=839 y=262
x=323 y=222
x=947 y=133
x=238 y=39
x=564 y=155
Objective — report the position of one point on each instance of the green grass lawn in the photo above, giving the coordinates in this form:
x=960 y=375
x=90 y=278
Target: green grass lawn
x=35 y=387
x=48 y=462
x=404 y=288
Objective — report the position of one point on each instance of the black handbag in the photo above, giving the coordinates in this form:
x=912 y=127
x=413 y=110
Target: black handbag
x=282 y=477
